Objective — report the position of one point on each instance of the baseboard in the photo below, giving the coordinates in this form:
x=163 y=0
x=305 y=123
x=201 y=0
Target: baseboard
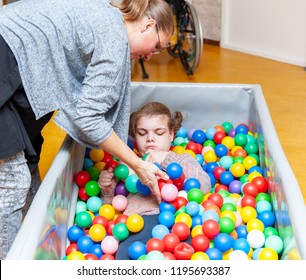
x=211 y=42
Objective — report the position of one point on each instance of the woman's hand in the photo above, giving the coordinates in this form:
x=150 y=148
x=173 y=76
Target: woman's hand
x=149 y=174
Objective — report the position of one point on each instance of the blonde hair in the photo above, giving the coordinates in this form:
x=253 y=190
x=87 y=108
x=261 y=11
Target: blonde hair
x=155 y=109
x=159 y=10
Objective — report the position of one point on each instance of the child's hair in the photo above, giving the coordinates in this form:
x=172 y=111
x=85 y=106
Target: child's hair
x=155 y=109
x=159 y=10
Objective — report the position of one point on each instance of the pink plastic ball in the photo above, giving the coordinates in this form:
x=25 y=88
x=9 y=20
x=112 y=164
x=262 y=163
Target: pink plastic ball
x=109 y=245
x=169 y=192
x=119 y=202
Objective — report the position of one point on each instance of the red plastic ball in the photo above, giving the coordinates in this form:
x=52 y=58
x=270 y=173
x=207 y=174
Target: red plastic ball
x=81 y=178
x=261 y=183
x=217 y=199
x=248 y=200
x=218 y=136
x=251 y=189
x=162 y=182
x=100 y=220
x=200 y=243
x=181 y=201
x=170 y=240
x=207 y=202
x=155 y=244
x=71 y=248
x=179 y=183
x=193 y=147
x=183 y=251
x=109 y=227
x=169 y=256
x=211 y=228
x=181 y=230
x=82 y=194
x=221 y=187
x=218 y=171
x=91 y=257
x=107 y=257
x=121 y=219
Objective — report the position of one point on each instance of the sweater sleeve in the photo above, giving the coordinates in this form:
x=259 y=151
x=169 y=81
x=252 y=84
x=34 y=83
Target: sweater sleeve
x=191 y=168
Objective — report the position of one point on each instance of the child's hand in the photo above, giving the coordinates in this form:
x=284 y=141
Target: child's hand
x=156 y=156
x=107 y=183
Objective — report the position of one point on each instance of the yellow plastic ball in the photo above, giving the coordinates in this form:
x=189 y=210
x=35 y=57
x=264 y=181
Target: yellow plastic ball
x=178 y=150
x=249 y=162
x=294 y=254
x=226 y=254
x=92 y=215
x=235 y=196
x=184 y=218
x=210 y=156
x=248 y=213
x=107 y=211
x=76 y=256
x=267 y=254
x=228 y=142
x=198 y=256
x=253 y=175
x=135 y=223
x=237 y=169
x=255 y=224
x=97 y=232
x=197 y=230
x=100 y=165
x=96 y=155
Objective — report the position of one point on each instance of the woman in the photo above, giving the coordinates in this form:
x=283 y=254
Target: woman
x=154 y=128
x=73 y=57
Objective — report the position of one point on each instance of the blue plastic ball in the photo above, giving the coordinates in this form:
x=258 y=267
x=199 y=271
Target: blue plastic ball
x=198 y=136
x=96 y=250
x=267 y=217
x=94 y=203
x=87 y=163
x=214 y=254
x=174 y=170
x=192 y=208
x=223 y=242
x=74 y=233
x=143 y=189
x=200 y=159
x=241 y=129
x=196 y=220
x=84 y=243
x=241 y=244
x=210 y=132
x=210 y=215
x=182 y=132
x=242 y=231
x=159 y=231
x=212 y=178
x=166 y=218
x=256 y=168
x=226 y=178
x=191 y=183
x=166 y=206
x=210 y=167
x=221 y=150
x=136 y=250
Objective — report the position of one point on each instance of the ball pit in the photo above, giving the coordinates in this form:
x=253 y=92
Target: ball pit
x=233 y=221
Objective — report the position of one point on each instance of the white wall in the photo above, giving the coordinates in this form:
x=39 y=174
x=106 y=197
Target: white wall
x=273 y=29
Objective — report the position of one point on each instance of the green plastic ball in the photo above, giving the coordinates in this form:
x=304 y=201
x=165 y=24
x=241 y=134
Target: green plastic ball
x=121 y=172
x=227 y=126
x=92 y=188
x=251 y=148
x=83 y=219
x=209 y=143
x=226 y=224
x=120 y=231
x=195 y=195
x=131 y=182
x=94 y=173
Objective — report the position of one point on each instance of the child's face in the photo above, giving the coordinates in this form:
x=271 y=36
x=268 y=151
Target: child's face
x=152 y=133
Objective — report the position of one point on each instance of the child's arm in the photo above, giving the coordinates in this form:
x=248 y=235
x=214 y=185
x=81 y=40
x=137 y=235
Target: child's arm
x=107 y=184
x=191 y=168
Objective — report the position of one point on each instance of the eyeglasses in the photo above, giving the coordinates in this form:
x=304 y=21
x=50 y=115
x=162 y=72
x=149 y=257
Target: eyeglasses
x=158 y=46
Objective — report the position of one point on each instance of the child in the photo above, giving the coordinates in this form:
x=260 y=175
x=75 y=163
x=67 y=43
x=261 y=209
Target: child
x=153 y=128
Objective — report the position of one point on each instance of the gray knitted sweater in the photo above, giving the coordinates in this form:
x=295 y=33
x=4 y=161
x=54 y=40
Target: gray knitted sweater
x=73 y=56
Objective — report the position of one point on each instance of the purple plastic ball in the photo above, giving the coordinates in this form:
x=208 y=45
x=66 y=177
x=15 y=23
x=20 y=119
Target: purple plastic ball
x=235 y=187
x=121 y=189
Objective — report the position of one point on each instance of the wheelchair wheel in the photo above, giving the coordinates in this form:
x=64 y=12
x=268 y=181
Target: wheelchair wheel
x=191 y=38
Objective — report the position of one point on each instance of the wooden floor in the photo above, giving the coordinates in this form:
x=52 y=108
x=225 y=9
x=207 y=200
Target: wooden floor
x=283 y=85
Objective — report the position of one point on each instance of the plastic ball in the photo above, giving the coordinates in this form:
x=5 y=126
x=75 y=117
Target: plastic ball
x=227 y=225
x=120 y=231
x=81 y=178
x=107 y=257
x=210 y=214
x=174 y=170
x=159 y=231
x=96 y=155
x=256 y=238
x=192 y=208
x=155 y=244
x=166 y=206
x=198 y=256
x=170 y=241
x=71 y=248
x=84 y=243
x=92 y=188
x=241 y=128
x=196 y=195
x=261 y=183
x=214 y=254
x=248 y=213
x=155 y=255
x=74 y=233
x=200 y=242
x=107 y=211
x=241 y=244
x=183 y=251
x=235 y=187
x=223 y=242
x=119 y=202
x=248 y=200
x=240 y=139
x=83 y=219
x=169 y=192
x=136 y=250
x=211 y=228
x=97 y=232
x=131 y=183
x=184 y=218
x=99 y=220
x=76 y=256
x=191 y=183
x=237 y=169
x=181 y=230
x=143 y=189
x=249 y=162
x=109 y=245
x=121 y=189
x=226 y=178
x=238 y=255
x=87 y=163
x=268 y=254
x=166 y=218
x=221 y=150
x=229 y=142
x=275 y=242
x=135 y=223
x=182 y=132
x=210 y=156
x=94 y=173
x=94 y=203
x=198 y=136
x=80 y=206
x=121 y=172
